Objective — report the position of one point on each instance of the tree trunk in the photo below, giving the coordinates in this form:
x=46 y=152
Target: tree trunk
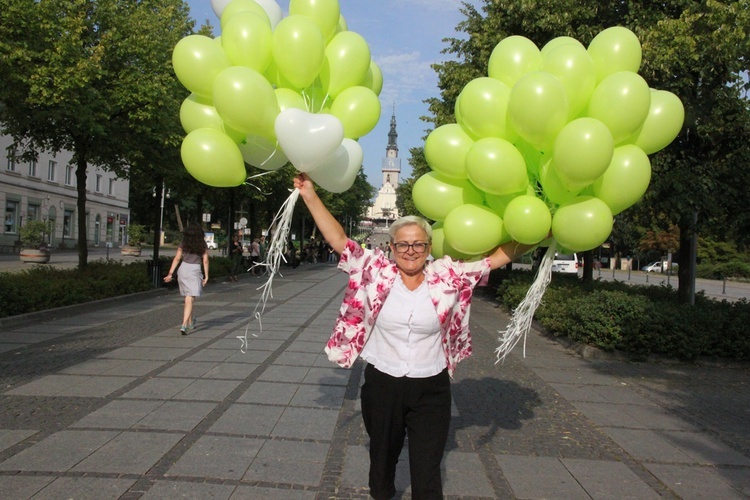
x=588 y=266
x=685 y=291
x=81 y=175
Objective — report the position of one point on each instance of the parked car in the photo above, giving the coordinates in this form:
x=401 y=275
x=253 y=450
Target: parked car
x=654 y=267
x=565 y=263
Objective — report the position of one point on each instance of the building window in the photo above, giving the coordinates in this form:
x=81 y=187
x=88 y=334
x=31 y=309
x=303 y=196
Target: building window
x=11 y=217
x=69 y=175
x=98 y=183
x=111 y=190
x=32 y=168
x=68 y=224
x=11 y=154
x=51 y=171
x=32 y=212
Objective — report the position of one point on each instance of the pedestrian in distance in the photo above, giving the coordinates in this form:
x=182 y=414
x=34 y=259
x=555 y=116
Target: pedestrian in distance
x=255 y=257
x=192 y=257
x=235 y=253
x=409 y=321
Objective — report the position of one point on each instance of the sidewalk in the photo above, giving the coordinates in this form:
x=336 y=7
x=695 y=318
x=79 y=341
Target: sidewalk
x=112 y=402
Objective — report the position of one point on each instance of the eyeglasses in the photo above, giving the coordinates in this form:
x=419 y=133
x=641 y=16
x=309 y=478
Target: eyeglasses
x=417 y=246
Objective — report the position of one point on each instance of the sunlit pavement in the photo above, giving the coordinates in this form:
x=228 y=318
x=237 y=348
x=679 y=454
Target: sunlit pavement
x=108 y=400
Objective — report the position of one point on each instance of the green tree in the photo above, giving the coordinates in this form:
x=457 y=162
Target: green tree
x=94 y=78
x=696 y=49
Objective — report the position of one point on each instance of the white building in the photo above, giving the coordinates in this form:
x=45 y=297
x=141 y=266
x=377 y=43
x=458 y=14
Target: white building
x=384 y=209
x=45 y=189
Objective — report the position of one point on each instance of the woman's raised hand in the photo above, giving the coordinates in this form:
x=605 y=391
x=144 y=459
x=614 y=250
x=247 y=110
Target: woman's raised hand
x=304 y=184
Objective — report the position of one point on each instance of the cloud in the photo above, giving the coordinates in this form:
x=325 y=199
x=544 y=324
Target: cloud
x=433 y=4
x=406 y=77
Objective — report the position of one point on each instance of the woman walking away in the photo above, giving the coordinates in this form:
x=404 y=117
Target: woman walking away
x=235 y=252
x=409 y=320
x=194 y=255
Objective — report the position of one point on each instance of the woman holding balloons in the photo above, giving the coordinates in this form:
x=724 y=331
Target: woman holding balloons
x=408 y=319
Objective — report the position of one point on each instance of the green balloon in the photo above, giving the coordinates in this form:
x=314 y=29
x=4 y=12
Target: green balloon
x=626 y=179
x=213 y=158
x=573 y=66
x=664 y=121
x=246 y=101
x=262 y=153
x=288 y=98
x=582 y=224
x=326 y=14
x=440 y=248
x=236 y=6
x=557 y=42
x=246 y=39
x=435 y=195
x=613 y=50
x=373 y=80
x=358 y=108
x=197 y=60
x=474 y=229
x=298 y=49
x=495 y=166
x=512 y=58
x=621 y=101
x=346 y=63
x=538 y=108
x=482 y=107
x=199 y=112
x=553 y=189
x=499 y=202
x=445 y=150
x=582 y=152
x=527 y=219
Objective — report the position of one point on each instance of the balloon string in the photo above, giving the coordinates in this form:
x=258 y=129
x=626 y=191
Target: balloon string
x=520 y=322
x=273 y=259
x=253 y=185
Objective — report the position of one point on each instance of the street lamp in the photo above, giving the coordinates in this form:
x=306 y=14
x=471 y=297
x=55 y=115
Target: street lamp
x=157 y=237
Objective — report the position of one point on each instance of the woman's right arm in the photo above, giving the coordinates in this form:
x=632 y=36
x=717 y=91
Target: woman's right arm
x=329 y=227
x=175 y=261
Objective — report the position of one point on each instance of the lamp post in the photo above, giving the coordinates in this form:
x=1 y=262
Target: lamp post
x=158 y=234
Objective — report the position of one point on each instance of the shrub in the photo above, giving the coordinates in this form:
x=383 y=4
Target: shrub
x=33 y=233
x=639 y=320
x=41 y=287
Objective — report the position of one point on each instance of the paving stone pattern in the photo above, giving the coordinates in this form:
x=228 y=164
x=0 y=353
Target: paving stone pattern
x=108 y=400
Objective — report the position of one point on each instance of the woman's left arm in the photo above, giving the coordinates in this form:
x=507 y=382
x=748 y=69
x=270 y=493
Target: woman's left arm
x=205 y=267
x=507 y=253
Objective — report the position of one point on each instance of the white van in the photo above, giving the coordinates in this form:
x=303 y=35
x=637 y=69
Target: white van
x=565 y=263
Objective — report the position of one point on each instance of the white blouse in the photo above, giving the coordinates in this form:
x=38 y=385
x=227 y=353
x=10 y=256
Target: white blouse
x=405 y=340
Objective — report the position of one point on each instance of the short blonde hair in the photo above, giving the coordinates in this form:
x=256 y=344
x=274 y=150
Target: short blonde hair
x=409 y=220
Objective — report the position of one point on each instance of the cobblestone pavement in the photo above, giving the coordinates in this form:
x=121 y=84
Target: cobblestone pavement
x=109 y=401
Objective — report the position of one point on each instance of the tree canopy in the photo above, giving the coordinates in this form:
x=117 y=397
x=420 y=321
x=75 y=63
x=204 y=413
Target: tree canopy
x=698 y=50
x=94 y=78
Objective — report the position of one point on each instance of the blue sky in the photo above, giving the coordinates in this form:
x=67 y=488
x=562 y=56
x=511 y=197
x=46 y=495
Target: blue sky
x=405 y=37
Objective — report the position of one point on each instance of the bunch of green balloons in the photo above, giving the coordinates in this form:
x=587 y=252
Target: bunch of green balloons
x=272 y=90
x=553 y=139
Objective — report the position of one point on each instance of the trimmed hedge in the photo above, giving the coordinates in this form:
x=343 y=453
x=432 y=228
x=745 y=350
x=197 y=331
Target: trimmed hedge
x=42 y=287
x=638 y=320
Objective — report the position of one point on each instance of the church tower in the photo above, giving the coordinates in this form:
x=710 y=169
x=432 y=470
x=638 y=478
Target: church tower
x=391 y=162
x=384 y=209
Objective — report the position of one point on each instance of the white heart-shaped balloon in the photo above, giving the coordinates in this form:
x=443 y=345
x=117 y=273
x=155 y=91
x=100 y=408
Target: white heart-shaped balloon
x=337 y=173
x=308 y=139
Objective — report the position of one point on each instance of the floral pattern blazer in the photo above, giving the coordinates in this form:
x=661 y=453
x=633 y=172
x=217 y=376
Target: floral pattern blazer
x=371 y=275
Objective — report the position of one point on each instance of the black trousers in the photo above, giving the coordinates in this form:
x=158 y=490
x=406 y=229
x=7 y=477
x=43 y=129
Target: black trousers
x=393 y=408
